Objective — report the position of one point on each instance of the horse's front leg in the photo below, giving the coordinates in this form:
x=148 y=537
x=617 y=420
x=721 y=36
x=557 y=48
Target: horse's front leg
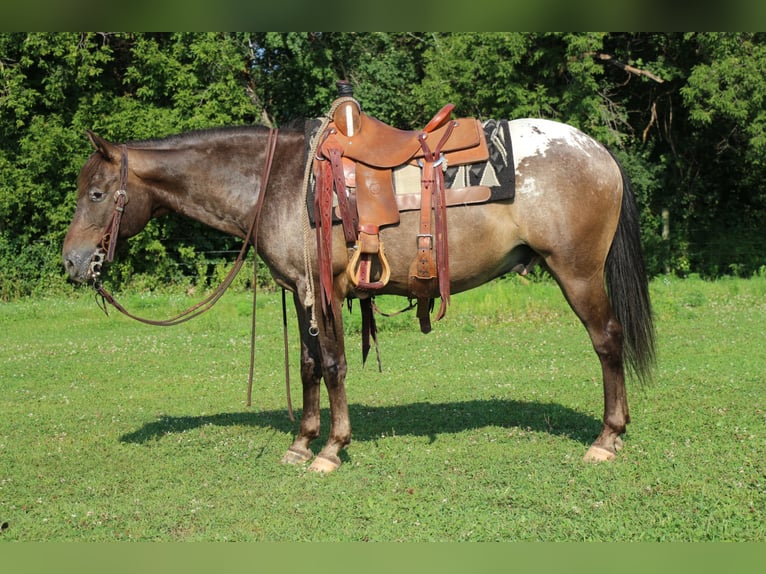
x=311 y=375
x=322 y=355
x=333 y=357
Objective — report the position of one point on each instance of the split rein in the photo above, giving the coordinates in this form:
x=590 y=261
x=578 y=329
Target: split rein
x=108 y=245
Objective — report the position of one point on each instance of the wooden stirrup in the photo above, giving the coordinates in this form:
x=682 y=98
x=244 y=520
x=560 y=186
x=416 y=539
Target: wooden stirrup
x=354 y=266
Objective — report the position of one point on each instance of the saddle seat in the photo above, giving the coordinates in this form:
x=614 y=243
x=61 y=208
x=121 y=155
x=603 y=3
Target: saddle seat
x=370 y=141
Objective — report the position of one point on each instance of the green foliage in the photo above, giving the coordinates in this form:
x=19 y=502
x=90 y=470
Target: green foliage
x=684 y=112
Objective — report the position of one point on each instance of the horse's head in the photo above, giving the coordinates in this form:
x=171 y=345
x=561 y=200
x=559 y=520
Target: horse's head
x=112 y=203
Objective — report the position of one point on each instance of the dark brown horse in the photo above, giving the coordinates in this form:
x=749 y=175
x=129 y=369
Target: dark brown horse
x=573 y=211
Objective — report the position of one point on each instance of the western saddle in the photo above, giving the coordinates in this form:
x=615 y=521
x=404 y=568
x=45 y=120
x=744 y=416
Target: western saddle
x=356 y=157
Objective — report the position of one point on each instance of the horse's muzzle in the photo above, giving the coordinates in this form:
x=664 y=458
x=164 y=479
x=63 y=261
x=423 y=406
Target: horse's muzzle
x=83 y=266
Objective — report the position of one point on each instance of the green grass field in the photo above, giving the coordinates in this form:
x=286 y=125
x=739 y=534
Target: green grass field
x=111 y=430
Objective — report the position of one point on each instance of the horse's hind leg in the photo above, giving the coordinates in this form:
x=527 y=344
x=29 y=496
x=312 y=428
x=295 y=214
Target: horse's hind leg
x=589 y=301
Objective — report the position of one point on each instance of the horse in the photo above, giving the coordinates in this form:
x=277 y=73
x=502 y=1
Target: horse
x=573 y=213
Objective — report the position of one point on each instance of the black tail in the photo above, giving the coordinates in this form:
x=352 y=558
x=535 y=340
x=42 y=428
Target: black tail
x=628 y=288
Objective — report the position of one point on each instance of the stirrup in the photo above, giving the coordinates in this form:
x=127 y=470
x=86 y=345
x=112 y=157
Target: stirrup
x=358 y=267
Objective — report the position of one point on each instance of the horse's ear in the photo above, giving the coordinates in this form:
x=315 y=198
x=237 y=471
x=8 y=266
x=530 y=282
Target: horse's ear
x=106 y=149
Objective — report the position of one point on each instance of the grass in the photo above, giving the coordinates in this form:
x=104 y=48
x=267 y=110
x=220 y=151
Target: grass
x=112 y=430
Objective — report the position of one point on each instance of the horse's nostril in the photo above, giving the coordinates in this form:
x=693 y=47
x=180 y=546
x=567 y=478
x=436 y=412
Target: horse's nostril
x=73 y=266
x=70 y=268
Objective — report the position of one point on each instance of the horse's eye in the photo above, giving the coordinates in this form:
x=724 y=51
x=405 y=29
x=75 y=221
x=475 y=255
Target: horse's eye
x=97 y=195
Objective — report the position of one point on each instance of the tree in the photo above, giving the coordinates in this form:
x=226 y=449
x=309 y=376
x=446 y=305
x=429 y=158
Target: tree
x=683 y=113
x=724 y=200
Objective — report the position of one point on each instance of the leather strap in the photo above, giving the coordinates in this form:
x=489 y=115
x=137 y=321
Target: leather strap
x=323 y=212
x=112 y=231
x=369 y=330
x=432 y=260
x=333 y=151
x=425 y=267
x=212 y=299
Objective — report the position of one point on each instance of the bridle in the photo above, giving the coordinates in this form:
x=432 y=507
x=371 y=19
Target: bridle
x=108 y=243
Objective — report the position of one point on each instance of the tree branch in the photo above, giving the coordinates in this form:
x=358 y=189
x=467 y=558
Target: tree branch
x=609 y=59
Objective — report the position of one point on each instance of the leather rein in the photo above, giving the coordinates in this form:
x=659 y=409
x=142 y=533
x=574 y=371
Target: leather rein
x=108 y=244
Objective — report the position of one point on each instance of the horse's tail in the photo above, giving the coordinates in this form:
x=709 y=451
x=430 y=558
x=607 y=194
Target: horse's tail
x=628 y=287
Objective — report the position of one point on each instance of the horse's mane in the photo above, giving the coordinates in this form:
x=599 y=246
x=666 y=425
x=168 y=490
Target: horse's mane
x=201 y=135
x=192 y=137
x=185 y=139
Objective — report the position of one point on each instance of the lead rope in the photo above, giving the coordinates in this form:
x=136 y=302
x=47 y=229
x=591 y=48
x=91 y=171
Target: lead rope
x=309 y=299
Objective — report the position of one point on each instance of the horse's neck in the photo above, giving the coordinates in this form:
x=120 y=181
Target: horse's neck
x=219 y=185
x=220 y=197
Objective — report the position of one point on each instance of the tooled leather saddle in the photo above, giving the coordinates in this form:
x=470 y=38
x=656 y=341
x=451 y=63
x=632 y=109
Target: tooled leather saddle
x=364 y=171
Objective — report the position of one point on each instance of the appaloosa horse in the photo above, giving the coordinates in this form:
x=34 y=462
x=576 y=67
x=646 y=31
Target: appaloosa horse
x=573 y=211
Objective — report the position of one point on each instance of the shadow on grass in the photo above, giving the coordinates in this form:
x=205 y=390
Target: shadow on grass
x=416 y=419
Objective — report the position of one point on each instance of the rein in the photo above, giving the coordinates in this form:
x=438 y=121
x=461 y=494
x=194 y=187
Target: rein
x=109 y=241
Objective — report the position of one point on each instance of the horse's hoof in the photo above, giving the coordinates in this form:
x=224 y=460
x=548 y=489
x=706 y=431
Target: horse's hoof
x=598 y=454
x=618 y=444
x=296 y=456
x=325 y=464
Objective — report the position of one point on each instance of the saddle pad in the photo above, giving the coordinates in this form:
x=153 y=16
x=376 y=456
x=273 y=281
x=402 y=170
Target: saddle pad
x=498 y=173
x=469 y=183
